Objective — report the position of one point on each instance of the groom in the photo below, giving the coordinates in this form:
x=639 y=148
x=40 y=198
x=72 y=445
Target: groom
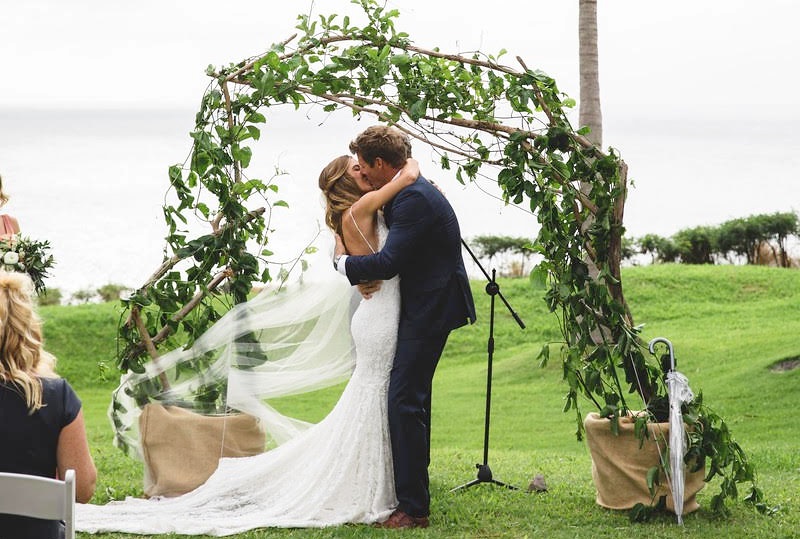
x=424 y=248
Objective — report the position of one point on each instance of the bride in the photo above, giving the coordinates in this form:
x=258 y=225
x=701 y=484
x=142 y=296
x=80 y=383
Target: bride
x=335 y=472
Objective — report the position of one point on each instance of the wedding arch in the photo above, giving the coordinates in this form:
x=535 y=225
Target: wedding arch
x=482 y=115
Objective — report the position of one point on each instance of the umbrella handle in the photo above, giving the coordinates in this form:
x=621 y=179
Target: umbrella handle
x=652 y=345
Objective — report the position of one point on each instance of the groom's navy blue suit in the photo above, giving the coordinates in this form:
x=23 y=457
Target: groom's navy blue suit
x=424 y=248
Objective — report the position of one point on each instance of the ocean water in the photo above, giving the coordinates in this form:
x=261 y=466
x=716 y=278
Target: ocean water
x=93 y=182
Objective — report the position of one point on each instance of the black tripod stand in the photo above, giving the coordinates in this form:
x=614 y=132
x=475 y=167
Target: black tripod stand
x=493 y=289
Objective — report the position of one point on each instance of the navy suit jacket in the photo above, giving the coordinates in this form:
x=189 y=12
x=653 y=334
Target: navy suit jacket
x=424 y=248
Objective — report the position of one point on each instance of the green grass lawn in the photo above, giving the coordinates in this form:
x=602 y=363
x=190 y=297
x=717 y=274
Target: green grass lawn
x=728 y=325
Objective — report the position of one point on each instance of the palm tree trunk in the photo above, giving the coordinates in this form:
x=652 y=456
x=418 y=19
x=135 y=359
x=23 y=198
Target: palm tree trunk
x=589 y=114
x=589 y=111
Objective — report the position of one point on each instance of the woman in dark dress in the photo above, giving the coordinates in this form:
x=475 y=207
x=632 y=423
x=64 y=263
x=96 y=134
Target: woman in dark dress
x=41 y=422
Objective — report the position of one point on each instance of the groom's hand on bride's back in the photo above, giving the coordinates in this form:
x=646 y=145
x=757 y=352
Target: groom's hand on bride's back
x=368 y=288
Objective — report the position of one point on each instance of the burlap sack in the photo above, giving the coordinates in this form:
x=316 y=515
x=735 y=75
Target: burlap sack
x=181 y=448
x=619 y=466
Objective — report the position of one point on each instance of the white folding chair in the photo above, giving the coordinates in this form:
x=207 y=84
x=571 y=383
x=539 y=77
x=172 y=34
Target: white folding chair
x=40 y=497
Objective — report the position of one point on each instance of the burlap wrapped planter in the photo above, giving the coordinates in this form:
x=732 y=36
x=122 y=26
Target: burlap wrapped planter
x=619 y=465
x=182 y=449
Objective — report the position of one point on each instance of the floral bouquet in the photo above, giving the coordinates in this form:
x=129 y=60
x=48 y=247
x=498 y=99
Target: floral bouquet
x=27 y=256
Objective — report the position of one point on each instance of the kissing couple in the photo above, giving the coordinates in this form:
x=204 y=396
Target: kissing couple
x=399 y=242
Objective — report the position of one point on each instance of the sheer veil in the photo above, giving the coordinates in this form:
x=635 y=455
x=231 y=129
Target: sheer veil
x=289 y=339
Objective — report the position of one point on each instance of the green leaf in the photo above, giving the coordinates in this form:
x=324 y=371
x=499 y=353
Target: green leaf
x=256 y=118
x=255 y=132
x=544 y=355
x=243 y=155
x=401 y=60
x=418 y=110
x=201 y=160
x=538 y=277
x=640 y=513
x=652 y=480
x=203 y=208
x=175 y=174
x=319 y=88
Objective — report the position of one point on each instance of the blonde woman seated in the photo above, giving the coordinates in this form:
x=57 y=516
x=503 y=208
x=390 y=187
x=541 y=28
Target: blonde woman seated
x=41 y=422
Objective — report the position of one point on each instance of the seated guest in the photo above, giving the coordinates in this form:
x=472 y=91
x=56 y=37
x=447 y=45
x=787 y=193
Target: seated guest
x=41 y=422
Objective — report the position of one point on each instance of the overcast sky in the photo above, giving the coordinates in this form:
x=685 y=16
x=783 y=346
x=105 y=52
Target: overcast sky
x=154 y=52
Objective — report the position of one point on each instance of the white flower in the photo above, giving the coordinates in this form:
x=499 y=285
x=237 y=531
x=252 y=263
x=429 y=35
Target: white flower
x=10 y=258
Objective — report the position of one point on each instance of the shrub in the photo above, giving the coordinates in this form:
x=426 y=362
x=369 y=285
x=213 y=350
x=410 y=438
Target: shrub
x=85 y=295
x=51 y=296
x=111 y=291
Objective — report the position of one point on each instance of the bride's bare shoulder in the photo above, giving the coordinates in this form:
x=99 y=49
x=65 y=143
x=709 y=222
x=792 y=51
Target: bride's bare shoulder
x=358 y=231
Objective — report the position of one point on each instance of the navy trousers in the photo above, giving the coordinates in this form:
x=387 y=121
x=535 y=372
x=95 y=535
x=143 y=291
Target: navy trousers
x=410 y=388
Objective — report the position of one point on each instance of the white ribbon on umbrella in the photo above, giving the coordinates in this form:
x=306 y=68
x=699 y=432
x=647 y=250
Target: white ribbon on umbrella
x=679 y=393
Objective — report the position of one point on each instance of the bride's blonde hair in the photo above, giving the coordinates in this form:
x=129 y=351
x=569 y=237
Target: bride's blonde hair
x=340 y=189
x=22 y=359
x=3 y=195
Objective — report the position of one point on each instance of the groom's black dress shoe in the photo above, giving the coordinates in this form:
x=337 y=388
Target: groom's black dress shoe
x=399 y=519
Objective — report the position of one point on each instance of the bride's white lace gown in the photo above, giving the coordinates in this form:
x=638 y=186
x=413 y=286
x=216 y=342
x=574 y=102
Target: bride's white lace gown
x=338 y=471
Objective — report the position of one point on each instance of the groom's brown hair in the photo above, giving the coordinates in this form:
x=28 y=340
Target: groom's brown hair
x=386 y=142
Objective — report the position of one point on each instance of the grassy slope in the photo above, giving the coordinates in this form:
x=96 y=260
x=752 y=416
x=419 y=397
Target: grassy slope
x=728 y=325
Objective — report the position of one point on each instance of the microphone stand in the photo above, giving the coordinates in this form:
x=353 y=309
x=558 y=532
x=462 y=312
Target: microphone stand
x=493 y=289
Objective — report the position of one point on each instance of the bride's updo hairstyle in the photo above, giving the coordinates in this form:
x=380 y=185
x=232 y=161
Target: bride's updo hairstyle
x=340 y=189
x=22 y=359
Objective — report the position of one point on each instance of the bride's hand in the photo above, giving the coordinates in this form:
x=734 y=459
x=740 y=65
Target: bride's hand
x=408 y=174
x=368 y=288
x=411 y=169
